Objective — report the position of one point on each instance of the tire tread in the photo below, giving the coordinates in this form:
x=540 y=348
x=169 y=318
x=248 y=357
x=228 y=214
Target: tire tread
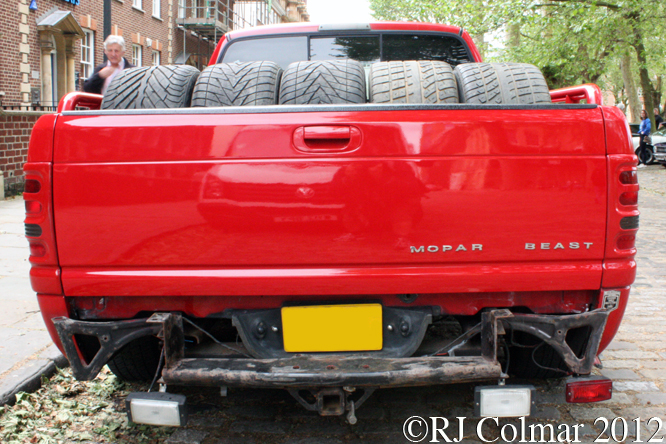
x=423 y=81
x=328 y=82
x=238 y=84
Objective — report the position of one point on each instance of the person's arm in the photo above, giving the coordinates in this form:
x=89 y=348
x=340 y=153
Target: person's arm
x=95 y=82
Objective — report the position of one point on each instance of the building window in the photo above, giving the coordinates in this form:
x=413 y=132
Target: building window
x=136 y=55
x=137 y=4
x=156 y=58
x=88 y=53
x=156 y=8
x=181 y=8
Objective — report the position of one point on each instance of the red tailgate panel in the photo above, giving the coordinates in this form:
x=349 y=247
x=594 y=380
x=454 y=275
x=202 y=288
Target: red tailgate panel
x=206 y=208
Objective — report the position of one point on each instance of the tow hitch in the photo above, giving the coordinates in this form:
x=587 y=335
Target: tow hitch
x=333 y=401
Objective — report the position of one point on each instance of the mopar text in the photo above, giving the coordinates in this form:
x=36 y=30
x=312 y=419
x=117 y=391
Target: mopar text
x=445 y=248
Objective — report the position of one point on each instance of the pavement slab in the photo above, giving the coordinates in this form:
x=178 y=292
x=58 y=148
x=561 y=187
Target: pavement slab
x=26 y=351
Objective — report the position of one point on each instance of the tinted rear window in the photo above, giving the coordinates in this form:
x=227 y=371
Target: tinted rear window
x=424 y=47
x=367 y=49
x=363 y=49
x=281 y=50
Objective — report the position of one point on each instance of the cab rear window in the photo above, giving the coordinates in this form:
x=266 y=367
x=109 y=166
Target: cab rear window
x=365 y=48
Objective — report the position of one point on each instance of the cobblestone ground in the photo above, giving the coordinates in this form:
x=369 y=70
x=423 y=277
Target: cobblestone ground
x=636 y=361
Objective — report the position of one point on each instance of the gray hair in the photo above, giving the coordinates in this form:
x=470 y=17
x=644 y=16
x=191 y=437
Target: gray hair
x=110 y=40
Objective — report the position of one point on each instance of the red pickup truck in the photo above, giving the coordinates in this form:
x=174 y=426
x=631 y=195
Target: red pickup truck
x=332 y=210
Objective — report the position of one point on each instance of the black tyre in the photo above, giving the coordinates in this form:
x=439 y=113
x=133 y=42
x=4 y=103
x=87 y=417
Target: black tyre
x=422 y=81
x=646 y=157
x=501 y=84
x=340 y=81
x=138 y=360
x=166 y=86
x=238 y=84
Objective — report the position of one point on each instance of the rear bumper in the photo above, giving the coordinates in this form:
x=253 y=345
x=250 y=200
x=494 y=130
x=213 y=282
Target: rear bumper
x=335 y=369
x=331 y=371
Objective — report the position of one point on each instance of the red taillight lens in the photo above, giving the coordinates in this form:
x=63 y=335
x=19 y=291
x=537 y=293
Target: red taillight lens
x=629 y=177
x=37 y=250
x=32 y=207
x=593 y=390
x=32 y=186
x=629 y=198
x=626 y=242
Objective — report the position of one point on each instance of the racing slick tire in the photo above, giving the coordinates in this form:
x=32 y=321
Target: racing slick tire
x=339 y=82
x=150 y=87
x=138 y=360
x=238 y=84
x=501 y=84
x=424 y=81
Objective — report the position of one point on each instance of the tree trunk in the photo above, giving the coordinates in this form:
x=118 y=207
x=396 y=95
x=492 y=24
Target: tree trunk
x=514 y=35
x=630 y=88
x=657 y=92
x=641 y=54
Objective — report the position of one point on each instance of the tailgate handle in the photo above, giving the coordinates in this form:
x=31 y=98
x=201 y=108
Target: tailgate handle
x=327 y=139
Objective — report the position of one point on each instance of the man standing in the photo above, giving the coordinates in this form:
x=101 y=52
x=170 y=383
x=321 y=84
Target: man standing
x=114 y=48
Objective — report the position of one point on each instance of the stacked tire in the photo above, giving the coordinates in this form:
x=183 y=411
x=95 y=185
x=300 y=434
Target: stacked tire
x=327 y=82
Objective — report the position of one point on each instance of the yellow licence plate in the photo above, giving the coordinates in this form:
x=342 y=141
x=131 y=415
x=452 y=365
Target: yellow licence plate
x=332 y=328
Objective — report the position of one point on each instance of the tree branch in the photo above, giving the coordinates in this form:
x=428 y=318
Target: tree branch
x=586 y=2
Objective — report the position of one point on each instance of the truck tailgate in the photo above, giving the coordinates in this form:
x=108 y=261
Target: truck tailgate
x=241 y=202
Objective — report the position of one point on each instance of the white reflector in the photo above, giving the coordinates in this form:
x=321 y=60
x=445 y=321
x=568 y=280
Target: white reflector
x=503 y=401
x=161 y=409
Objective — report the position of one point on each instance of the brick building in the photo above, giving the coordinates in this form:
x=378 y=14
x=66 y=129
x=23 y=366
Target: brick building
x=51 y=46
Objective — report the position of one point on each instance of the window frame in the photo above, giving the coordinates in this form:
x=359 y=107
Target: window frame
x=159 y=58
x=88 y=65
x=137 y=55
x=138 y=4
x=157 y=9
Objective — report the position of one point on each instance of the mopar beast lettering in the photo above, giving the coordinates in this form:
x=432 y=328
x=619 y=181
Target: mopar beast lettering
x=558 y=246
x=444 y=248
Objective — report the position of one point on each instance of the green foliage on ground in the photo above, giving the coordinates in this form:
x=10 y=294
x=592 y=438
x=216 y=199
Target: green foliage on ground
x=68 y=411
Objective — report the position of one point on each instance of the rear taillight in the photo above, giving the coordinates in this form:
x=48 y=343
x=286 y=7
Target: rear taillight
x=629 y=198
x=629 y=178
x=37 y=249
x=32 y=186
x=626 y=242
x=623 y=221
x=33 y=207
x=589 y=390
x=39 y=229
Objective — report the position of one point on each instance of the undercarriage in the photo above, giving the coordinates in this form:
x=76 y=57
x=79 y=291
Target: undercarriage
x=245 y=348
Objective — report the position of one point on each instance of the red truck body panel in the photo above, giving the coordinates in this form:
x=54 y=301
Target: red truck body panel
x=150 y=227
